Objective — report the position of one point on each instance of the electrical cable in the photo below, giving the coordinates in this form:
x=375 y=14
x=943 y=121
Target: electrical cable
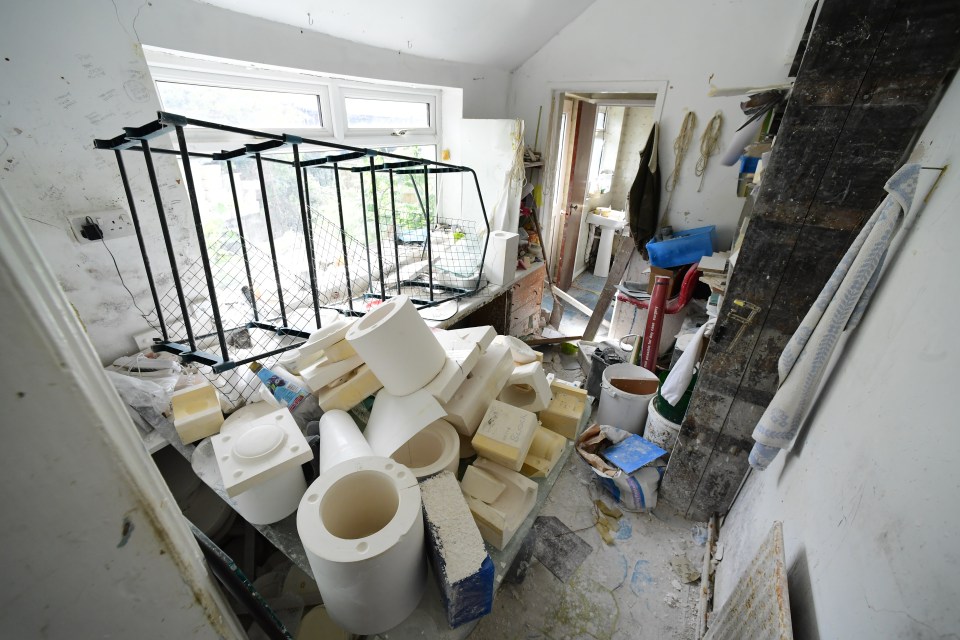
x=709 y=144
x=680 y=146
x=448 y=317
x=133 y=299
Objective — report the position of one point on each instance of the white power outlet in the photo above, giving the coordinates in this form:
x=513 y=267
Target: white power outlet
x=113 y=224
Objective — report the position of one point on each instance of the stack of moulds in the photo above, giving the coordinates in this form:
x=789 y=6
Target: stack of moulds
x=565 y=411
x=259 y=460
x=461 y=566
x=499 y=499
x=196 y=412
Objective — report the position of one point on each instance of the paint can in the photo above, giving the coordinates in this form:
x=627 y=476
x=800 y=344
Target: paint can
x=625 y=391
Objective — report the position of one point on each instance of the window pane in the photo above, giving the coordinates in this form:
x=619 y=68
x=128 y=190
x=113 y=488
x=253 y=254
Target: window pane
x=363 y=113
x=241 y=107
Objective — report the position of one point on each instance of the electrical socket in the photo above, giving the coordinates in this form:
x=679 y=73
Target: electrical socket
x=114 y=223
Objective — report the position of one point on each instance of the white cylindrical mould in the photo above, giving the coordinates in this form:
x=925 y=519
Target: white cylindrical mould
x=398 y=346
x=604 y=252
x=340 y=440
x=274 y=499
x=434 y=449
x=361 y=525
x=659 y=430
x=624 y=393
x=500 y=265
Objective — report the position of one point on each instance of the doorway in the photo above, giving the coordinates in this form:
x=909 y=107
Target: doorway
x=592 y=159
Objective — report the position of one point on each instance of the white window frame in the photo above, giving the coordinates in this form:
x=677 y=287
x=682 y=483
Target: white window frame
x=173 y=66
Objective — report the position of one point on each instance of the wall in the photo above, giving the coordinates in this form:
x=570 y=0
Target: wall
x=636 y=128
x=94 y=544
x=868 y=498
x=731 y=44
x=73 y=71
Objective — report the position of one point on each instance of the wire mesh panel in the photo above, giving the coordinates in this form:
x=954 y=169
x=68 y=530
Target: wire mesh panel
x=319 y=225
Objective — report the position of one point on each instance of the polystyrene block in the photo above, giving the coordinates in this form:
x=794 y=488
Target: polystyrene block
x=479 y=484
x=264 y=450
x=545 y=451
x=196 y=412
x=467 y=406
x=527 y=388
x=499 y=520
x=460 y=363
x=505 y=434
x=461 y=566
x=360 y=383
x=323 y=372
x=565 y=411
x=339 y=351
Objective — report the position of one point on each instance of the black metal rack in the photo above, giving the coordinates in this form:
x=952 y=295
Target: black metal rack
x=251 y=307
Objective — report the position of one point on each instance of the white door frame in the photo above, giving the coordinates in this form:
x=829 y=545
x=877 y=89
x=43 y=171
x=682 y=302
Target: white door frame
x=558 y=90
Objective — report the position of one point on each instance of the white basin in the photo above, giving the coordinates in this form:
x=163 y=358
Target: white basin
x=614 y=224
x=608 y=227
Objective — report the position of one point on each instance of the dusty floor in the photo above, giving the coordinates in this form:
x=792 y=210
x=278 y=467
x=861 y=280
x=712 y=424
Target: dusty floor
x=629 y=589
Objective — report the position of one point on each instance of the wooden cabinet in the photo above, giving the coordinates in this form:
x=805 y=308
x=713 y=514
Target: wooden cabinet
x=515 y=310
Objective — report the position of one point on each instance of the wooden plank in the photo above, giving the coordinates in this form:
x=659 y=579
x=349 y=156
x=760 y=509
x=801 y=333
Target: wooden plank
x=619 y=267
x=871 y=76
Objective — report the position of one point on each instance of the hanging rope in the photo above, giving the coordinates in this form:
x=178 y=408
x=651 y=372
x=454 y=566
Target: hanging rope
x=680 y=146
x=709 y=144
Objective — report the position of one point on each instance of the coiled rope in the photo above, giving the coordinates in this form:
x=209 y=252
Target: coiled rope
x=709 y=144
x=680 y=146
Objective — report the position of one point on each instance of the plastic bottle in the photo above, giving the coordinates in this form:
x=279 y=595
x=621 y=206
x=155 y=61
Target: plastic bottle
x=298 y=400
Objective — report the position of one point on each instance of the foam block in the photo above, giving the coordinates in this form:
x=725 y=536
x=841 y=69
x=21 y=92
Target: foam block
x=505 y=434
x=565 y=411
x=196 y=412
x=461 y=566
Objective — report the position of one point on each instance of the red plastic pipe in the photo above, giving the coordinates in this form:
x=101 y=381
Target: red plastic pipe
x=674 y=305
x=651 y=334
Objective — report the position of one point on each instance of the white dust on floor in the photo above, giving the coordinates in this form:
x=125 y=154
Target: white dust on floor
x=628 y=590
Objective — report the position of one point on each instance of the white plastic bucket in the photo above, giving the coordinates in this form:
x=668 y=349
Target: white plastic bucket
x=659 y=430
x=624 y=393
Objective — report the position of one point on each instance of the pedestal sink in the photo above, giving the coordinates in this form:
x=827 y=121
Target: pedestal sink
x=608 y=228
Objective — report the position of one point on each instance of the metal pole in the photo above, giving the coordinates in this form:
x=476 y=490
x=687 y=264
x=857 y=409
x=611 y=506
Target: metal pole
x=201 y=241
x=308 y=236
x=486 y=242
x=273 y=249
x=243 y=241
x=376 y=224
x=143 y=247
x=366 y=235
x=396 y=238
x=426 y=215
x=152 y=173
x=343 y=235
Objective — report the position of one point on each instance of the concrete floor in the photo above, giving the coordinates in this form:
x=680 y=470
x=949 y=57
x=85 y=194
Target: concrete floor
x=625 y=590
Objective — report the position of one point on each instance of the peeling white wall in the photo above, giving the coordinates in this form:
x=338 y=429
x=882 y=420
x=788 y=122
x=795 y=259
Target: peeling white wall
x=869 y=499
x=72 y=71
x=690 y=44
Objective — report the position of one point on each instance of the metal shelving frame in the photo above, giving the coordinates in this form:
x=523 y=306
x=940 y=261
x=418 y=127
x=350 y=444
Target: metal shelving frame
x=184 y=340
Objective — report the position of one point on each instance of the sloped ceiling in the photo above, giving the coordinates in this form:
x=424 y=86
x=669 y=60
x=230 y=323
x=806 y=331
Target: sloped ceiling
x=499 y=33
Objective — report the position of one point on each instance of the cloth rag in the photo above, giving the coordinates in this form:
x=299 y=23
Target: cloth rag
x=838 y=309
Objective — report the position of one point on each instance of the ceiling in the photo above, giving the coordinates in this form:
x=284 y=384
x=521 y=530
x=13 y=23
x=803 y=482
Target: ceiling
x=499 y=33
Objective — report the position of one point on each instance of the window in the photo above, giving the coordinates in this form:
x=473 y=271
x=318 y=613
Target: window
x=251 y=109
x=275 y=99
x=366 y=113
